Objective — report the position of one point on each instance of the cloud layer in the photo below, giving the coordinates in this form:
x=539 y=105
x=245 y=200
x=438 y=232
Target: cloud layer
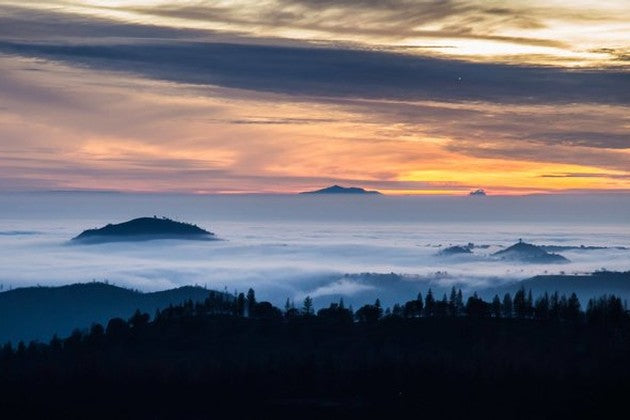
x=291 y=246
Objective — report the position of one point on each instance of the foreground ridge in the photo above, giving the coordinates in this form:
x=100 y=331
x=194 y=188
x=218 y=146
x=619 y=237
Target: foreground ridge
x=543 y=357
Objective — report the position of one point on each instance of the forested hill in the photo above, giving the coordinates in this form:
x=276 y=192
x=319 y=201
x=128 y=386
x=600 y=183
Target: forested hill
x=36 y=313
x=585 y=286
x=142 y=229
x=523 y=357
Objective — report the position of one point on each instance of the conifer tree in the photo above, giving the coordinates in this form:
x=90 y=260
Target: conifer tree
x=429 y=304
x=507 y=307
x=496 y=307
x=307 y=307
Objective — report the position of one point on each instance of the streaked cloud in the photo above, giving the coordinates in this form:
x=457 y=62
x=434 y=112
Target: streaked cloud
x=288 y=95
x=579 y=33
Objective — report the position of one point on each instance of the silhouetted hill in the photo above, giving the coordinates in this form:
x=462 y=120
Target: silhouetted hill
x=144 y=228
x=585 y=286
x=39 y=312
x=523 y=357
x=455 y=250
x=524 y=252
x=336 y=189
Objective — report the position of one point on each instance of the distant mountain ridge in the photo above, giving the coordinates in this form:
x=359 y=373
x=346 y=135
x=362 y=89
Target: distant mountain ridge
x=32 y=313
x=337 y=189
x=144 y=228
x=586 y=286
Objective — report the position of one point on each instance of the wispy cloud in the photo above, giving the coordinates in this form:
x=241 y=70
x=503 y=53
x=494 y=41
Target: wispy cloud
x=514 y=31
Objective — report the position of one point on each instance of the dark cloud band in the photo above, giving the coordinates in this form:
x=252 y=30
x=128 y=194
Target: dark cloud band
x=338 y=72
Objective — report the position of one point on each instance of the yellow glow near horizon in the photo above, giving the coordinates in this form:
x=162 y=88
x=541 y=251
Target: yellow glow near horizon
x=230 y=141
x=522 y=176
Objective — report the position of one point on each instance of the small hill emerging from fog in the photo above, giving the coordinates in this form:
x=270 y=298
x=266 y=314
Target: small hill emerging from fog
x=143 y=229
x=36 y=313
x=337 y=189
x=524 y=252
x=455 y=250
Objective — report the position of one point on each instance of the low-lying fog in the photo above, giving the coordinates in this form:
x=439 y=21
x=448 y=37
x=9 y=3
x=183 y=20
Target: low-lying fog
x=291 y=246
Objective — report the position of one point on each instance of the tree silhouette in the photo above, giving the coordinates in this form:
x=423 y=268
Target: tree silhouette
x=477 y=308
x=606 y=310
x=573 y=312
x=241 y=304
x=459 y=303
x=265 y=310
x=541 y=307
x=116 y=328
x=139 y=319
x=335 y=313
x=442 y=308
x=520 y=304
x=529 y=305
x=507 y=307
x=496 y=307
x=369 y=313
x=419 y=303
x=429 y=304
x=554 y=306
x=307 y=306
x=251 y=301
x=452 y=302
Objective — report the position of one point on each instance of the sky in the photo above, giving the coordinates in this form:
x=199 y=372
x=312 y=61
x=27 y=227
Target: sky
x=282 y=96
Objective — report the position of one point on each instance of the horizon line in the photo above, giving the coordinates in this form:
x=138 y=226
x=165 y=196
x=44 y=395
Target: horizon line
x=384 y=192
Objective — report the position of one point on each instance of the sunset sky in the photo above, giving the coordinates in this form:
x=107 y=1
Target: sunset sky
x=281 y=96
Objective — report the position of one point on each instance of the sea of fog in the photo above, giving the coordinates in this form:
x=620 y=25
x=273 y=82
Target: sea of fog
x=293 y=246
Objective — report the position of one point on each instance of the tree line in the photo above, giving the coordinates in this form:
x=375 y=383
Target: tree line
x=607 y=309
x=516 y=357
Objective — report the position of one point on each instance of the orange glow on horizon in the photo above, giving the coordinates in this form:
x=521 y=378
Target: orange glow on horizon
x=164 y=137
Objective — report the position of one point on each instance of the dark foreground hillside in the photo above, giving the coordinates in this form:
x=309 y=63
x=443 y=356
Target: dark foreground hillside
x=36 y=313
x=209 y=361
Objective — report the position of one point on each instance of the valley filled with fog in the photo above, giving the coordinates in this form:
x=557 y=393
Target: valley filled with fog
x=322 y=246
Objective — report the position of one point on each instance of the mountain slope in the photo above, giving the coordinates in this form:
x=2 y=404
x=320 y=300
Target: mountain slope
x=36 y=313
x=585 y=286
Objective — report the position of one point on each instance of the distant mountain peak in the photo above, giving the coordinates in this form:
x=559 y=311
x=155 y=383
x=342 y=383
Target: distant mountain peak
x=338 y=189
x=144 y=228
x=478 y=192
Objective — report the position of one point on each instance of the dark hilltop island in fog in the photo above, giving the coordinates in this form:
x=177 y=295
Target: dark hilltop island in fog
x=337 y=189
x=524 y=252
x=456 y=250
x=144 y=229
